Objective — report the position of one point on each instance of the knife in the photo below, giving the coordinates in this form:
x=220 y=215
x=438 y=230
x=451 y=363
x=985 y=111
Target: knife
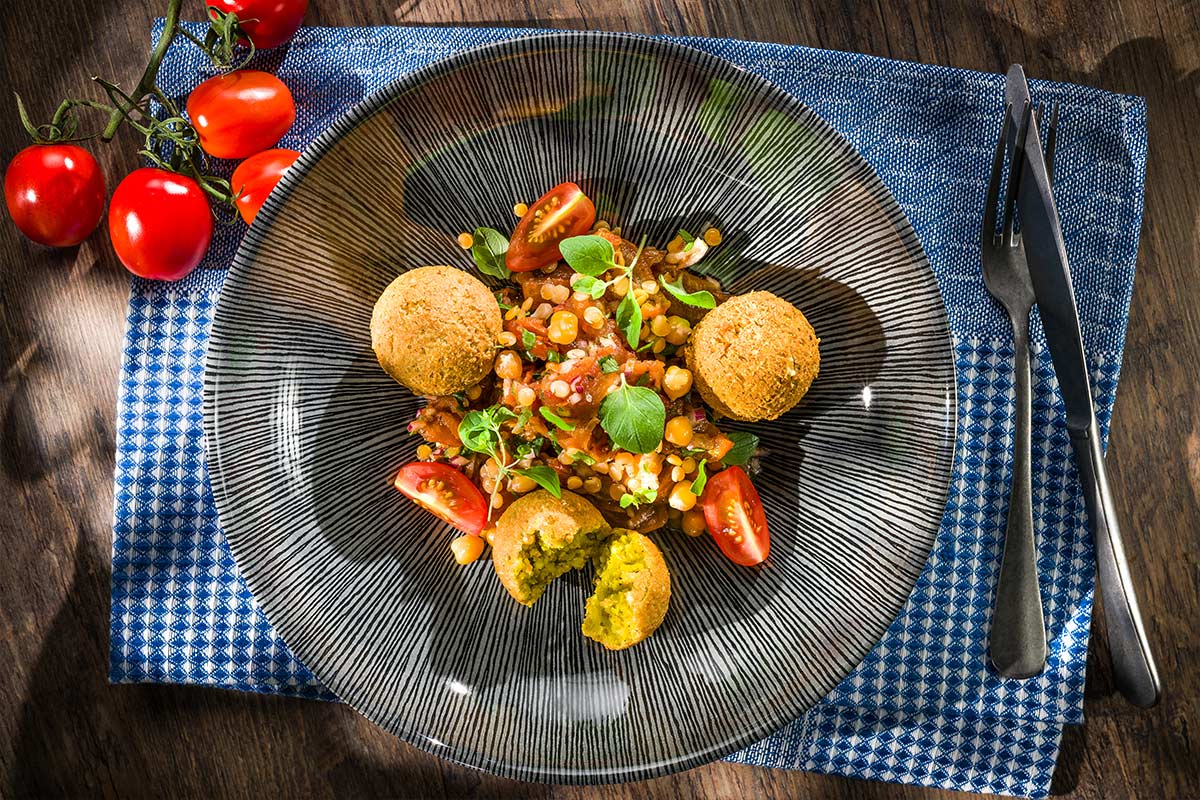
x=1134 y=671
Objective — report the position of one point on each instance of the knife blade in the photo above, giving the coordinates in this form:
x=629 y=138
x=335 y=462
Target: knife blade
x=1134 y=671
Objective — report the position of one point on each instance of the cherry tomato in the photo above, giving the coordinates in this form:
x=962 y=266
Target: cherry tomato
x=734 y=514
x=560 y=213
x=256 y=177
x=55 y=193
x=160 y=223
x=268 y=23
x=241 y=113
x=444 y=492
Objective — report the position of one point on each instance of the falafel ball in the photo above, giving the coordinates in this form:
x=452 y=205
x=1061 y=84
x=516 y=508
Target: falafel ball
x=540 y=537
x=434 y=330
x=753 y=357
x=633 y=589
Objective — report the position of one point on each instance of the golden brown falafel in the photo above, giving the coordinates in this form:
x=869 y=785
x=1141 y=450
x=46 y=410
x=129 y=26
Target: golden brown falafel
x=540 y=537
x=434 y=330
x=633 y=590
x=753 y=357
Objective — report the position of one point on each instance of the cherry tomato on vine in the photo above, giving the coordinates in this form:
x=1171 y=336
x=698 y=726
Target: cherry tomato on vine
x=445 y=492
x=55 y=193
x=267 y=23
x=734 y=514
x=241 y=113
x=256 y=177
x=160 y=223
x=560 y=213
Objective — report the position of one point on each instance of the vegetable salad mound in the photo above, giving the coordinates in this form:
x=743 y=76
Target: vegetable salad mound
x=583 y=396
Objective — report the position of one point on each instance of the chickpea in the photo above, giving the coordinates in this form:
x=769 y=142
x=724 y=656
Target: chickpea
x=508 y=365
x=693 y=522
x=677 y=382
x=520 y=484
x=466 y=548
x=564 y=327
x=660 y=326
x=682 y=497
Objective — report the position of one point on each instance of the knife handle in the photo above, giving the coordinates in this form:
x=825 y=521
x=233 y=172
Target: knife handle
x=1134 y=671
x=1017 y=642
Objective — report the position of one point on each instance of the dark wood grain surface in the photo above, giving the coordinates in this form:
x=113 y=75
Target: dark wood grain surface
x=65 y=732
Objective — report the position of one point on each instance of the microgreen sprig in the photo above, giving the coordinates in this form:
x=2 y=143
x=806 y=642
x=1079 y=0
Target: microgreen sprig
x=480 y=432
x=592 y=256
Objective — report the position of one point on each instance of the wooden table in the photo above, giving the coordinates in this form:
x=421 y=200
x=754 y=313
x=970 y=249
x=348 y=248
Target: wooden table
x=65 y=731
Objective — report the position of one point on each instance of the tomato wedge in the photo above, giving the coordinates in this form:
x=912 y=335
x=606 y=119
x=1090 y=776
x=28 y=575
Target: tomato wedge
x=444 y=492
x=734 y=514
x=560 y=213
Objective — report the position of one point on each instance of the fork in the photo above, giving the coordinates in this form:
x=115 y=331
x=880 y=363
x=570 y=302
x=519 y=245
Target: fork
x=1018 y=635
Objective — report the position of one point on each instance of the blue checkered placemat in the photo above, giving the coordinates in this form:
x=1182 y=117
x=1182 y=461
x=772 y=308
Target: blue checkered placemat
x=923 y=707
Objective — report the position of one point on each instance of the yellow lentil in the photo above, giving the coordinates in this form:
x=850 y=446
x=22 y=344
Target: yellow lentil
x=526 y=396
x=521 y=484
x=574 y=482
x=591 y=485
x=507 y=338
x=424 y=452
x=560 y=388
x=520 y=209
x=712 y=237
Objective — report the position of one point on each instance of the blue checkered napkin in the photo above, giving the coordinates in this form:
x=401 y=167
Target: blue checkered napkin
x=923 y=707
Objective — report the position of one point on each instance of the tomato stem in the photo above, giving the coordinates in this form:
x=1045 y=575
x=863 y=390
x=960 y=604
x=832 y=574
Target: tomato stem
x=147 y=82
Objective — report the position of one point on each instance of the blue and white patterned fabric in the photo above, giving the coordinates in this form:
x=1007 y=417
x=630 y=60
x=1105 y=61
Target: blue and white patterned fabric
x=923 y=707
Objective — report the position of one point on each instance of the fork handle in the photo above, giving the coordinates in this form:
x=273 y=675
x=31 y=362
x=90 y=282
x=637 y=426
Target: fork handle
x=1018 y=636
x=1134 y=672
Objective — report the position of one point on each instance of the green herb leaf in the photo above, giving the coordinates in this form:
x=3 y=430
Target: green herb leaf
x=640 y=497
x=594 y=287
x=609 y=365
x=553 y=355
x=529 y=448
x=629 y=319
x=700 y=299
x=488 y=252
x=556 y=420
x=523 y=418
x=543 y=477
x=633 y=417
x=701 y=479
x=588 y=255
x=578 y=456
x=480 y=430
x=745 y=444
x=528 y=340
x=688 y=239
x=500 y=302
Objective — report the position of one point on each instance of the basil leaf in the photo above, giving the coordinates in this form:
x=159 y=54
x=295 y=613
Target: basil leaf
x=528 y=340
x=700 y=299
x=557 y=421
x=634 y=418
x=688 y=239
x=588 y=255
x=478 y=432
x=745 y=445
x=629 y=319
x=609 y=365
x=701 y=479
x=594 y=287
x=543 y=477
x=488 y=252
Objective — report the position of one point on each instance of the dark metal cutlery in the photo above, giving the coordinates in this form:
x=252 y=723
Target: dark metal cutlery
x=1134 y=671
x=1017 y=643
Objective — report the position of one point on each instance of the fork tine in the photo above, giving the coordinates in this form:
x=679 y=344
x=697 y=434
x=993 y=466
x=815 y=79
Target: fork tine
x=1014 y=174
x=1051 y=138
x=993 y=193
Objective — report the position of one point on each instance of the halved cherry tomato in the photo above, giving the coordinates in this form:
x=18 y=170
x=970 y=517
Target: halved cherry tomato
x=55 y=193
x=734 y=514
x=444 y=492
x=267 y=23
x=241 y=113
x=160 y=223
x=255 y=178
x=560 y=213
